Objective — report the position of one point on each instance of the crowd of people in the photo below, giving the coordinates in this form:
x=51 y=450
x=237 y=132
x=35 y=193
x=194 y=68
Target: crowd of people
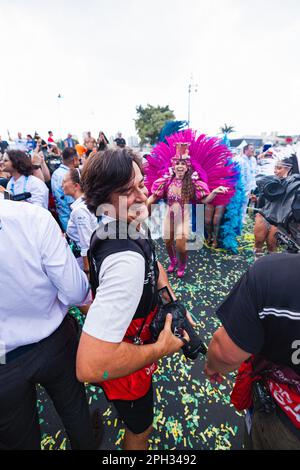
x=62 y=235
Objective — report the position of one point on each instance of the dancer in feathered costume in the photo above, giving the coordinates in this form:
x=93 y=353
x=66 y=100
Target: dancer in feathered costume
x=187 y=170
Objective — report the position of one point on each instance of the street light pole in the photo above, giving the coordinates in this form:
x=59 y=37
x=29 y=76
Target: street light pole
x=192 y=87
x=59 y=97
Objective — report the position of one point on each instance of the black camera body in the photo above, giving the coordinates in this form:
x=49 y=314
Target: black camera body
x=282 y=208
x=180 y=322
x=17 y=197
x=263 y=401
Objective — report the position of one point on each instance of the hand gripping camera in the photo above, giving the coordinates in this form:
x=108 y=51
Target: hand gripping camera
x=180 y=322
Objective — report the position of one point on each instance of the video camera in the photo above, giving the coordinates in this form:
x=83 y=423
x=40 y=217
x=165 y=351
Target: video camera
x=53 y=161
x=180 y=322
x=282 y=208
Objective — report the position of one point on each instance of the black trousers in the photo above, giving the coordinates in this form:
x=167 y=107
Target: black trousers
x=50 y=363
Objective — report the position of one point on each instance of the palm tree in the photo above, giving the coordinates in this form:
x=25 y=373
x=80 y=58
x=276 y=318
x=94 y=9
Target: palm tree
x=227 y=129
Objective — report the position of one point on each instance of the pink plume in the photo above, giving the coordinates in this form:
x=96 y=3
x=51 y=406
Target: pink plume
x=209 y=157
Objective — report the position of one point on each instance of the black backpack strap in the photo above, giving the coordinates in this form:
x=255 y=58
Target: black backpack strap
x=100 y=249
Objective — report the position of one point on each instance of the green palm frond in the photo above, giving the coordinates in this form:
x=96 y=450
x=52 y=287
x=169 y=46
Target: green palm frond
x=227 y=129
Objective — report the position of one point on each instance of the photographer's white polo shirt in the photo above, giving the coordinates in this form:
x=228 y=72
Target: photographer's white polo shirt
x=121 y=285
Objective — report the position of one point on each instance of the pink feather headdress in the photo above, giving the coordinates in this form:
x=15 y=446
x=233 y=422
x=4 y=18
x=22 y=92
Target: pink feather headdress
x=207 y=156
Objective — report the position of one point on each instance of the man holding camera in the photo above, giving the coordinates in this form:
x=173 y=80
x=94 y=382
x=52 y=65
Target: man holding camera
x=261 y=335
x=116 y=346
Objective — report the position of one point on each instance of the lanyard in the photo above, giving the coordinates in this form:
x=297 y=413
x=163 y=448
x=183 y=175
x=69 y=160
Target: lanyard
x=12 y=188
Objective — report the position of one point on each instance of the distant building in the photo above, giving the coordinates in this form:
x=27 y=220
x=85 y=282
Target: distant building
x=133 y=141
x=257 y=141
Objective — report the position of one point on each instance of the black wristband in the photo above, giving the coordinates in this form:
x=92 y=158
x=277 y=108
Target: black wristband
x=36 y=167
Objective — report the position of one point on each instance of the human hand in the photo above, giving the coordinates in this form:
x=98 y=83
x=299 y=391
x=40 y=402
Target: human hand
x=220 y=190
x=189 y=317
x=37 y=158
x=167 y=342
x=212 y=375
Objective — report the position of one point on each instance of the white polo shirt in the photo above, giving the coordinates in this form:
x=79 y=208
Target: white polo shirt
x=81 y=225
x=39 y=276
x=31 y=184
x=121 y=285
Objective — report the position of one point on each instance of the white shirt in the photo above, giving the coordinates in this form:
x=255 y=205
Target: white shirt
x=121 y=284
x=81 y=225
x=39 y=276
x=20 y=144
x=31 y=184
x=248 y=171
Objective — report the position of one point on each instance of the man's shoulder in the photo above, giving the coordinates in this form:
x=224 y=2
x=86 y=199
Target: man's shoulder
x=128 y=266
x=115 y=246
x=276 y=264
x=55 y=173
x=81 y=209
x=23 y=210
x=58 y=174
x=38 y=182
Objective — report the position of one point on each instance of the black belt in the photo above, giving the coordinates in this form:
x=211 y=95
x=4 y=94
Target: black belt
x=15 y=353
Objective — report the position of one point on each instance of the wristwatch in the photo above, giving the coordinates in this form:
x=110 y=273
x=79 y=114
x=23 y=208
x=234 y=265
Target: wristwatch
x=36 y=167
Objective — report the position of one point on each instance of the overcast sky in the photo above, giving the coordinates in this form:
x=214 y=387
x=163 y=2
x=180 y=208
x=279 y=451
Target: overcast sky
x=105 y=57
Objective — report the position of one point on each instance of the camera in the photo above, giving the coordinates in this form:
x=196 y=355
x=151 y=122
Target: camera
x=166 y=304
x=17 y=197
x=282 y=208
x=53 y=161
x=262 y=399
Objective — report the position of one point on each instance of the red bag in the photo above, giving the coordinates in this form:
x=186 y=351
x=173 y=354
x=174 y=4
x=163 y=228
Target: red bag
x=241 y=395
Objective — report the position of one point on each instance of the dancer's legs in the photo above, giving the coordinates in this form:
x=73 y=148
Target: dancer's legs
x=182 y=252
x=182 y=231
x=271 y=239
x=260 y=234
x=208 y=220
x=169 y=240
x=218 y=215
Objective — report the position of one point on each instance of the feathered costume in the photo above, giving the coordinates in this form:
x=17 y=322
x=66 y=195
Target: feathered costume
x=171 y=127
x=209 y=158
x=210 y=161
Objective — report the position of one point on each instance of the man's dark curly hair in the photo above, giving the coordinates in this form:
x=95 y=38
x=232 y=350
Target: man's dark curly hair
x=20 y=162
x=107 y=172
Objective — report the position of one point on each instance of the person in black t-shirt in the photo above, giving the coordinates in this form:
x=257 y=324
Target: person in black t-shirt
x=261 y=325
x=120 y=141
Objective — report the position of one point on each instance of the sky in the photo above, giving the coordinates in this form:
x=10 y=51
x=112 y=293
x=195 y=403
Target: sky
x=105 y=57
